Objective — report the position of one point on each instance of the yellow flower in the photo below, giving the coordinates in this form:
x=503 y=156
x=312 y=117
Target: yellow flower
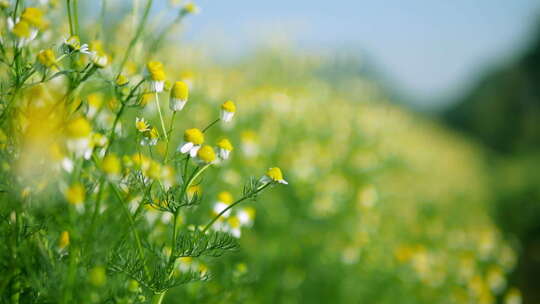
x=33 y=16
x=22 y=30
x=47 y=58
x=157 y=75
x=73 y=44
x=150 y=137
x=224 y=148
x=75 y=194
x=206 y=154
x=141 y=125
x=99 y=58
x=228 y=108
x=121 y=80
x=274 y=175
x=190 y=8
x=179 y=96
x=225 y=197
x=78 y=128
x=194 y=190
x=193 y=140
x=63 y=241
x=111 y=165
x=146 y=98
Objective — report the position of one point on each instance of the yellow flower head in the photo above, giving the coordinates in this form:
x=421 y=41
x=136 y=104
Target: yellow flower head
x=225 y=144
x=63 y=241
x=75 y=194
x=121 y=80
x=153 y=133
x=146 y=98
x=180 y=90
x=100 y=59
x=78 y=128
x=228 y=106
x=95 y=100
x=225 y=197
x=155 y=68
x=47 y=58
x=194 y=190
x=111 y=164
x=22 y=29
x=234 y=222
x=194 y=136
x=73 y=42
x=275 y=174
x=34 y=17
x=191 y=8
x=206 y=154
x=141 y=125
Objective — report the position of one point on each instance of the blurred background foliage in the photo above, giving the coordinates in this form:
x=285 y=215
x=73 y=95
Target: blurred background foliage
x=385 y=204
x=502 y=112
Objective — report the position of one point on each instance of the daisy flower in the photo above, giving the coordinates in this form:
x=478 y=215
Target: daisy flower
x=179 y=96
x=150 y=137
x=273 y=175
x=224 y=200
x=141 y=125
x=224 y=148
x=78 y=133
x=157 y=76
x=206 y=154
x=193 y=138
x=227 y=110
x=73 y=44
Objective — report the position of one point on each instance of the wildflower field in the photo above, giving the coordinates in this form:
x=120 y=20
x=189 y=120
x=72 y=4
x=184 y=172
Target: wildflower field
x=136 y=169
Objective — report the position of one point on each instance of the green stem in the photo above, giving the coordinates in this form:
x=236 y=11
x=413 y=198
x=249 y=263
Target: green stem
x=76 y=16
x=161 y=118
x=158 y=297
x=211 y=124
x=70 y=18
x=170 y=131
x=133 y=41
x=132 y=226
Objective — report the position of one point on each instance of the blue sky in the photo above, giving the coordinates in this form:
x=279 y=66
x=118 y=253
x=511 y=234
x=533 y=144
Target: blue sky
x=431 y=49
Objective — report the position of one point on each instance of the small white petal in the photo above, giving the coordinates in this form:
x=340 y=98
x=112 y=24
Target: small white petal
x=194 y=150
x=226 y=116
x=186 y=147
x=176 y=104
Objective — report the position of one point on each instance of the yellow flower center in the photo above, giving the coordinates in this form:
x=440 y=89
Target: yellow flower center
x=111 y=164
x=22 y=29
x=275 y=174
x=206 y=154
x=75 y=194
x=154 y=66
x=141 y=125
x=74 y=42
x=158 y=75
x=225 y=197
x=180 y=90
x=225 y=144
x=234 y=222
x=46 y=58
x=228 y=106
x=121 y=80
x=63 y=241
x=79 y=127
x=194 y=136
x=33 y=16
